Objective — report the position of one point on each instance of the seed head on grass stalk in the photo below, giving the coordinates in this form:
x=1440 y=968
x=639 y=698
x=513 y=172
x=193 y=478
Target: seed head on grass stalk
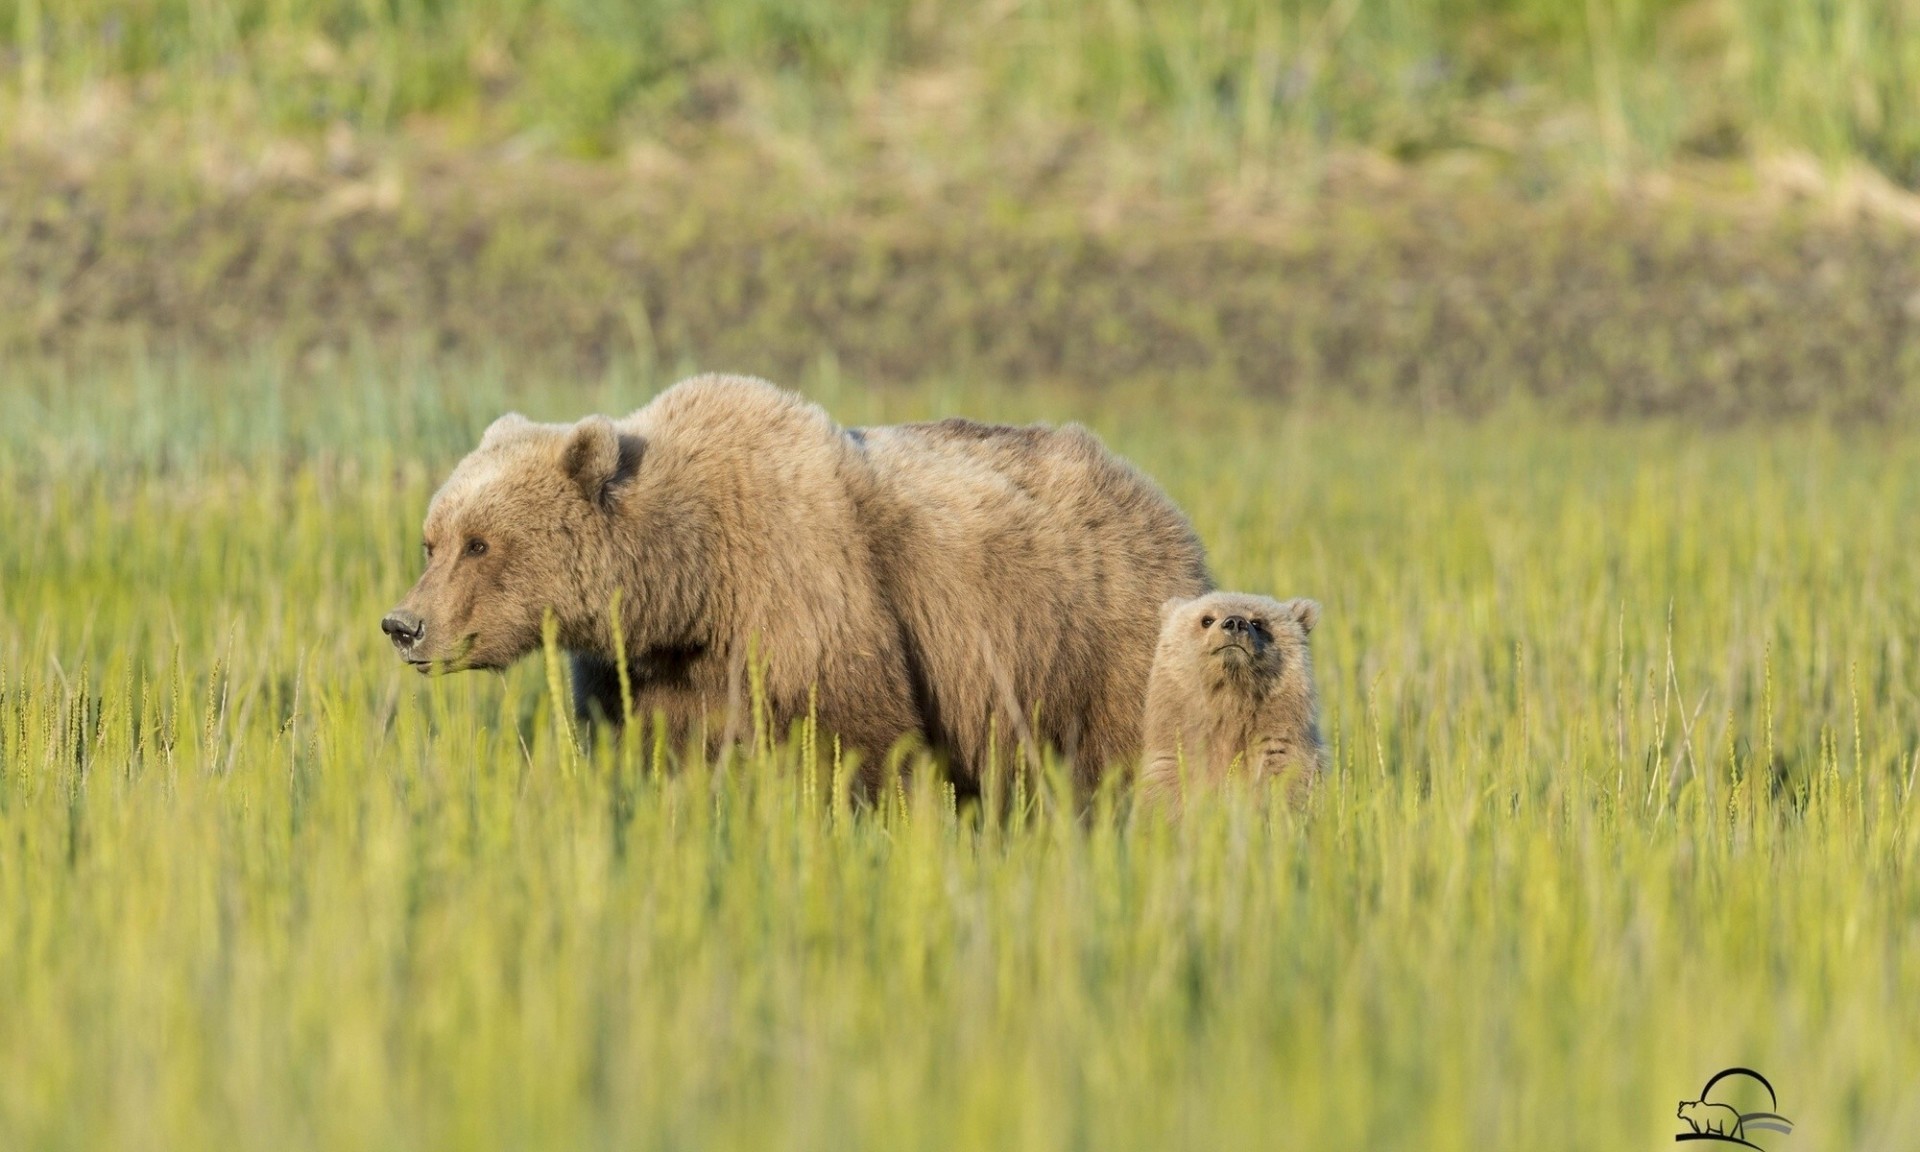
x=560 y=703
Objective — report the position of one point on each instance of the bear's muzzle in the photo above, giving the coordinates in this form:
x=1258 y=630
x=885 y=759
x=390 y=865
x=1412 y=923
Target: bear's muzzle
x=405 y=629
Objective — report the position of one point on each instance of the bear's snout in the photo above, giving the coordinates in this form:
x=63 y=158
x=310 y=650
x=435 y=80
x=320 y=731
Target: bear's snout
x=1236 y=626
x=404 y=628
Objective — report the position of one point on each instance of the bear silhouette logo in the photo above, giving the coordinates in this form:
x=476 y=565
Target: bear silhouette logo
x=1711 y=1119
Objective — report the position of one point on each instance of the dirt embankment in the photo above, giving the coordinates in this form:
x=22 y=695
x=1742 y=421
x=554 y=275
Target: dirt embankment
x=1616 y=308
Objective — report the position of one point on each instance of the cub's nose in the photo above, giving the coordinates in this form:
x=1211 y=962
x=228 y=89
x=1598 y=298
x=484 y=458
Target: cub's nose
x=1235 y=625
x=402 y=627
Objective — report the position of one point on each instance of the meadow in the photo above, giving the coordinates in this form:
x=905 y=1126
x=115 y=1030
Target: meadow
x=1565 y=350
x=1625 y=734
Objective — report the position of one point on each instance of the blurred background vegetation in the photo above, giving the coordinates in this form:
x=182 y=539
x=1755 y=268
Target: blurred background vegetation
x=1620 y=206
x=1617 y=83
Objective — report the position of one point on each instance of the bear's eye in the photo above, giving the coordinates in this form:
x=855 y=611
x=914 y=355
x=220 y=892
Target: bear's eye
x=428 y=547
x=476 y=547
x=1206 y=621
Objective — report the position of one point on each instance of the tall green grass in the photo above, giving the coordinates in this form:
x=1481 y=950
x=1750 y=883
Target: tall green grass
x=1624 y=724
x=1615 y=82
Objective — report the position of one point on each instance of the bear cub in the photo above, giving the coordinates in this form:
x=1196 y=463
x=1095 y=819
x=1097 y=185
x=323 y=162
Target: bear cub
x=1231 y=692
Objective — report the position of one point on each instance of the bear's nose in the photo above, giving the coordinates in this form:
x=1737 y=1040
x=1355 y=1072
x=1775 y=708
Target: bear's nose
x=402 y=627
x=1233 y=625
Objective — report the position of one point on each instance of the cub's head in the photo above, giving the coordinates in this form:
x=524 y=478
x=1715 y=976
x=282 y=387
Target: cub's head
x=1235 y=637
x=521 y=527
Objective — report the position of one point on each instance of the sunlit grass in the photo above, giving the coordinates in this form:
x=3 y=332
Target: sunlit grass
x=1625 y=727
x=1613 y=83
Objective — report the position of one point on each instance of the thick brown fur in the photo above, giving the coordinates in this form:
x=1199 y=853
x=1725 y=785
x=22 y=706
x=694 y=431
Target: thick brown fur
x=977 y=588
x=1231 y=690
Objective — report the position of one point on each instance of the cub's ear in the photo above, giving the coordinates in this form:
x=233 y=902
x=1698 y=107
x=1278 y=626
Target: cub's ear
x=590 y=456
x=509 y=427
x=1307 y=612
x=1169 y=606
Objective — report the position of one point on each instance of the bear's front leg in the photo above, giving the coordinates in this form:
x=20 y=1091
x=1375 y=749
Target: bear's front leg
x=596 y=691
x=1275 y=756
x=1282 y=760
x=1158 y=788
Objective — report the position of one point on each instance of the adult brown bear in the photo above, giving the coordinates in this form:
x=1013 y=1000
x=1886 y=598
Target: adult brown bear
x=963 y=584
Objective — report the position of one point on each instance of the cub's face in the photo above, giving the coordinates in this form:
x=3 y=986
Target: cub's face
x=515 y=532
x=1236 y=636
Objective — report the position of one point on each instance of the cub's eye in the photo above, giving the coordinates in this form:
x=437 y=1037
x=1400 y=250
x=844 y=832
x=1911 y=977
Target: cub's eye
x=476 y=547
x=427 y=548
x=1206 y=621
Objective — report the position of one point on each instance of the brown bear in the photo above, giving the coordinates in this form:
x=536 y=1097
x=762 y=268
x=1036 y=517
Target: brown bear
x=1231 y=689
x=969 y=586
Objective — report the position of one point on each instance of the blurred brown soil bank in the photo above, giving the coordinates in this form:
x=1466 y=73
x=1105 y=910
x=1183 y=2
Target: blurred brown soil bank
x=1402 y=295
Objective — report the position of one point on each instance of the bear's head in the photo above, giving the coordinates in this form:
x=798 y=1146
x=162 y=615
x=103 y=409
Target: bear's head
x=525 y=525
x=1238 y=638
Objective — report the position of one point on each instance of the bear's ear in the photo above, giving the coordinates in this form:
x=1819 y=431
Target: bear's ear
x=1307 y=612
x=591 y=456
x=1169 y=606
x=509 y=427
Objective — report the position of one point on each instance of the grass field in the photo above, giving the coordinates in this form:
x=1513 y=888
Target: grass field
x=1626 y=722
